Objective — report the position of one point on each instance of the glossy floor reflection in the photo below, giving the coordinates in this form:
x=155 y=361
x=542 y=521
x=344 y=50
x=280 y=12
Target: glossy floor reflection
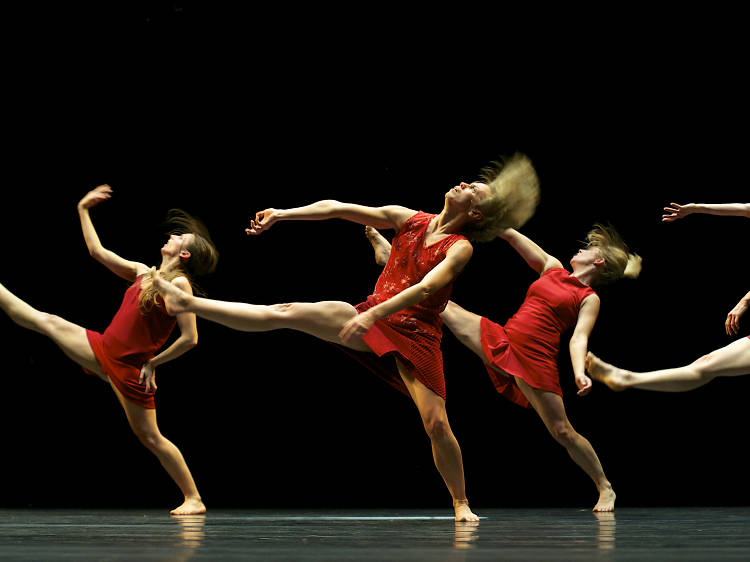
x=663 y=534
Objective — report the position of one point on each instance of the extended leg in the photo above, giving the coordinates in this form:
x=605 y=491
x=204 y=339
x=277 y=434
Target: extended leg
x=550 y=408
x=445 y=449
x=69 y=337
x=729 y=361
x=323 y=320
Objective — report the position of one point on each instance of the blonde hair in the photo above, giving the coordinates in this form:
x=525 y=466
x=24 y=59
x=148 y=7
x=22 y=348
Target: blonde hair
x=203 y=257
x=514 y=188
x=619 y=262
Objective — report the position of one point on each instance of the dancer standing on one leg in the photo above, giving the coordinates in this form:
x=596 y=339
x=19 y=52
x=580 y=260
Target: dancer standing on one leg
x=731 y=360
x=521 y=357
x=400 y=321
x=125 y=355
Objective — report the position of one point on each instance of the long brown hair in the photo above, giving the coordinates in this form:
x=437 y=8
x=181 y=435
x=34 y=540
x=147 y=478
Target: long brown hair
x=202 y=261
x=514 y=187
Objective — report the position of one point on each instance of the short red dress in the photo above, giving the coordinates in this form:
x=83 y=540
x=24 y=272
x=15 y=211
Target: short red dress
x=413 y=334
x=130 y=340
x=528 y=345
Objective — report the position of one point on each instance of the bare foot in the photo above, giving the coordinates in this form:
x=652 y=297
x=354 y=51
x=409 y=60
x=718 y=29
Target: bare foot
x=381 y=246
x=614 y=378
x=606 y=500
x=463 y=513
x=191 y=506
x=175 y=299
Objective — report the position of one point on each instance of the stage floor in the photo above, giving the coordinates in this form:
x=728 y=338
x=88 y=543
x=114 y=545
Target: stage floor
x=664 y=534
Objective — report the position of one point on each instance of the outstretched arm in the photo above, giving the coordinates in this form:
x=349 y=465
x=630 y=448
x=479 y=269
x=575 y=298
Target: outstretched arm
x=455 y=260
x=126 y=269
x=676 y=211
x=187 y=340
x=389 y=216
x=539 y=260
x=579 y=342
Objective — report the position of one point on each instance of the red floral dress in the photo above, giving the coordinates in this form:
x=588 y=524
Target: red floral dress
x=413 y=334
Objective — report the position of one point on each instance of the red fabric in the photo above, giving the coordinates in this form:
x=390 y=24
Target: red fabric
x=413 y=334
x=528 y=345
x=130 y=340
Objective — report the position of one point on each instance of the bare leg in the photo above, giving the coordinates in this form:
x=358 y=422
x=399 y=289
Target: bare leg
x=731 y=360
x=550 y=408
x=381 y=246
x=466 y=326
x=69 y=337
x=143 y=423
x=445 y=449
x=323 y=320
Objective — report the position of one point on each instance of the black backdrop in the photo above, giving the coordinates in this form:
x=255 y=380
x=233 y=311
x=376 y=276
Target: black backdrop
x=223 y=114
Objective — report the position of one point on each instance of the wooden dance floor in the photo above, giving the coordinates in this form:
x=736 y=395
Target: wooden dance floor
x=664 y=534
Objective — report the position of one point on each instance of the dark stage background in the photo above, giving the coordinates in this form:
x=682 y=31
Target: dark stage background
x=225 y=113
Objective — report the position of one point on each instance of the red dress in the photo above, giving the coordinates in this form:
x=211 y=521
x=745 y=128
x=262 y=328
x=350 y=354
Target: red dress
x=528 y=346
x=413 y=334
x=130 y=340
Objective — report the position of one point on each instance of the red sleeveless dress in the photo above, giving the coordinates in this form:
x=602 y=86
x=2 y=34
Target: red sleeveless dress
x=528 y=345
x=130 y=340
x=413 y=334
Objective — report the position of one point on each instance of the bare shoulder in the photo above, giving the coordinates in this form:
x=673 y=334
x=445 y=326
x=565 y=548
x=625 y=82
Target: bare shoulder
x=461 y=250
x=592 y=302
x=398 y=214
x=182 y=282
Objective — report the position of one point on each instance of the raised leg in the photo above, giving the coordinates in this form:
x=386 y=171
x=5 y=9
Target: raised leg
x=445 y=449
x=143 y=423
x=323 y=320
x=550 y=408
x=466 y=326
x=69 y=337
x=729 y=361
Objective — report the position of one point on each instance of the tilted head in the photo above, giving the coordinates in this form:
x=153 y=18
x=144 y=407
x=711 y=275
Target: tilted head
x=189 y=239
x=513 y=194
x=608 y=253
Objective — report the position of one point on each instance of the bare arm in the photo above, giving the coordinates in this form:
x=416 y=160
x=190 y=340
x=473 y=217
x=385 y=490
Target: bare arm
x=676 y=211
x=389 y=216
x=732 y=324
x=126 y=269
x=579 y=341
x=539 y=260
x=455 y=260
x=187 y=340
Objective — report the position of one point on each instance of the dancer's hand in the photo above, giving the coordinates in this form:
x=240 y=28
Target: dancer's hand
x=676 y=212
x=357 y=327
x=95 y=196
x=584 y=385
x=263 y=221
x=732 y=325
x=148 y=376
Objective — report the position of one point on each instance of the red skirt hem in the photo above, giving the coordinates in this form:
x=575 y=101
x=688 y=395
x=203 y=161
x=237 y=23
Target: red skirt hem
x=420 y=354
x=500 y=356
x=122 y=375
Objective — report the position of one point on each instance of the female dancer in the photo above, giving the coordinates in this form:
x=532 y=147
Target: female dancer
x=124 y=356
x=401 y=319
x=521 y=357
x=731 y=360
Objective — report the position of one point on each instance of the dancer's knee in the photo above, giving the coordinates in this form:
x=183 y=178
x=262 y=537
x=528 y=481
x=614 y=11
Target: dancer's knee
x=148 y=437
x=437 y=427
x=705 y=367
x=564 y=434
